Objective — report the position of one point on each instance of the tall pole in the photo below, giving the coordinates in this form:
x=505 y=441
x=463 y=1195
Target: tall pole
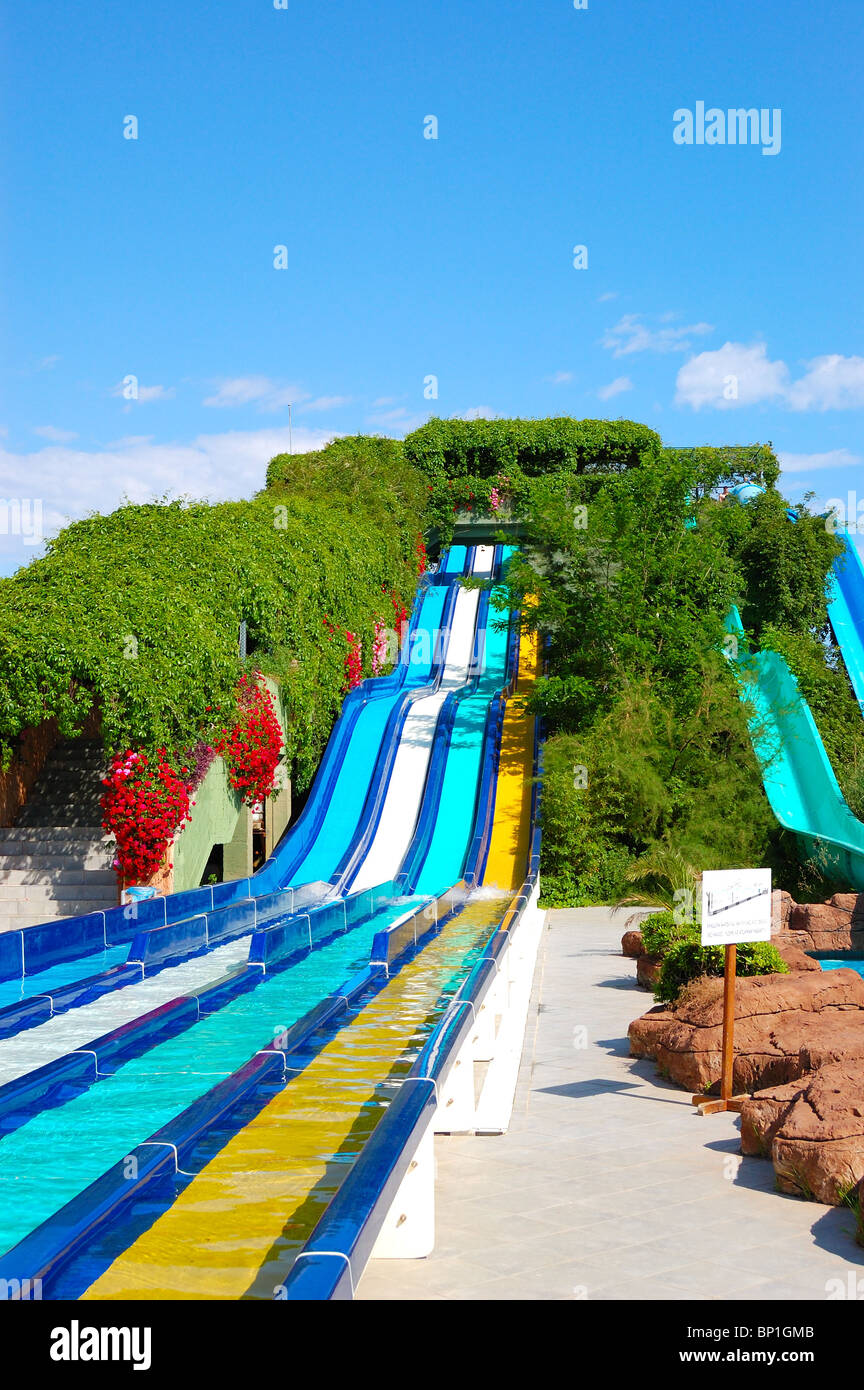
x=727 y=1099
x=729 y=968
x=290 y=443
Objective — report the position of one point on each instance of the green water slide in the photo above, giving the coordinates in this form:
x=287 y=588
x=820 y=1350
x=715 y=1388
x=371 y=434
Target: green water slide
x=799 y=780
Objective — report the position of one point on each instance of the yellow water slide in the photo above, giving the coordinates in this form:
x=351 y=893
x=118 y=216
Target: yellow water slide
x=511 y=830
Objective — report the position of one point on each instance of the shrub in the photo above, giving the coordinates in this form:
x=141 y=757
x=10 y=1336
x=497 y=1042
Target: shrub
x=661 y=932
x=687 y=961
x=138 y=612
x=462 y=448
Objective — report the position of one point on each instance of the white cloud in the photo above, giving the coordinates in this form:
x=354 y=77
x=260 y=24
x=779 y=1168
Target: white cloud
x=615 y=388
x=631 y=334
x=811 y=463
x=739 y=375
x=48 y=362
x=604 y=298
x=560 y=378
x=384 y=400
x=830 y=383
x=262 y=391
x=56 y=436
x=72 y=482
x=479 y=412
x=732 y=376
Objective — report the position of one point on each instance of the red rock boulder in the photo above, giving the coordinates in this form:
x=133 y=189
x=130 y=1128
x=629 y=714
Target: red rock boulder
x=813 y=1130
x=648 y=971
x=631 y=944
x=777 y=1018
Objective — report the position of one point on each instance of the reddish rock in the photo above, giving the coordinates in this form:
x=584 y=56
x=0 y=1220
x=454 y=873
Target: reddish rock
x=781 y=905
x=761 y=1116
x=648 y=970
x=631 y=943
x=845 y=902
x=776 y=1016
x=793 y=954
x=813 y=1130
x=826 y=928
x=856 y=1202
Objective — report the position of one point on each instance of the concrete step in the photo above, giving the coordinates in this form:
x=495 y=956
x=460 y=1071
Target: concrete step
x=24 y=913
x=48 y=818
x=59 y=831
x=60 y=849
x=48 y=877
x=56 y=892
x=97 y=857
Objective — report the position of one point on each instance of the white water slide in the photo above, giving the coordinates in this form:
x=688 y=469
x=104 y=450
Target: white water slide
x=404 y=797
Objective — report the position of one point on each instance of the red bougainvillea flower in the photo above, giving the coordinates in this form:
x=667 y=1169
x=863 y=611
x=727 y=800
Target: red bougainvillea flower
x=143 y=806
x=253 y=747
x=420 y=552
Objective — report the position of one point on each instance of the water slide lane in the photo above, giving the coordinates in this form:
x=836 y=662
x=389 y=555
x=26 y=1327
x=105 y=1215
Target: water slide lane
x=355 y=775
x=52 y=1157
x=56 y=976
x=404 y=797
x=234 y=1229
x=846 y=611
x=511 y=831
x=444 y=860
x=799 y=781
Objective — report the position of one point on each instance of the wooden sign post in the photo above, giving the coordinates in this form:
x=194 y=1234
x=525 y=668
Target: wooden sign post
x=736 y=908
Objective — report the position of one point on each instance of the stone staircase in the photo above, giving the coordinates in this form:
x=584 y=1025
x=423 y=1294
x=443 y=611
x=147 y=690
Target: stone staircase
x=56 y=862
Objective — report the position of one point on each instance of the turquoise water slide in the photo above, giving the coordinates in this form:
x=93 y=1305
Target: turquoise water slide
x=799 y=780
x=846 y=611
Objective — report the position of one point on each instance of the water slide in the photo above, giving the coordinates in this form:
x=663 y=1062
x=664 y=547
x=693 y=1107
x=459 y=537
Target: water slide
x=395 y=829
x=846 y=611
x=797 y=774
x=799 y=780
x=236 y=1229
x=110 y=1117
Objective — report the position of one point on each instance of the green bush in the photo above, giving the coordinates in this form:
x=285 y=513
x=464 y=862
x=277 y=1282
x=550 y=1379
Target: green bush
x=634 y=604
x=661 y=932
x=688 y=961
x=462 y=448
x=138 y=612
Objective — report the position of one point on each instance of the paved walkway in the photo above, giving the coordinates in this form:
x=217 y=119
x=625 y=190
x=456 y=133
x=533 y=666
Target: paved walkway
x=608 y=1185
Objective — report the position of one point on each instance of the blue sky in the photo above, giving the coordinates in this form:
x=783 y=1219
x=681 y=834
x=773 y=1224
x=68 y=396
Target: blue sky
x=407 y=257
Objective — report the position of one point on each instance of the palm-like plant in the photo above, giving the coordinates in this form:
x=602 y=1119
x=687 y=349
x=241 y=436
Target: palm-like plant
x=665 y=879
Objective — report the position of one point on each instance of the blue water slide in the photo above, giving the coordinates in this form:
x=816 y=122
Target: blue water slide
x=321 y=838
x=846 y=610
x=441 y=846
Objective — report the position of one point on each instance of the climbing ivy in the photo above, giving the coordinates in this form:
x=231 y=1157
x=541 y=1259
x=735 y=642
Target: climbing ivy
x=138 y=612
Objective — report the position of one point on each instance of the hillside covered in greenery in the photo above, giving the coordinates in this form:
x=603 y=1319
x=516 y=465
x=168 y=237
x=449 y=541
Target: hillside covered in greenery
x=634 y=561
x=138 y=612
x=629 y=552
